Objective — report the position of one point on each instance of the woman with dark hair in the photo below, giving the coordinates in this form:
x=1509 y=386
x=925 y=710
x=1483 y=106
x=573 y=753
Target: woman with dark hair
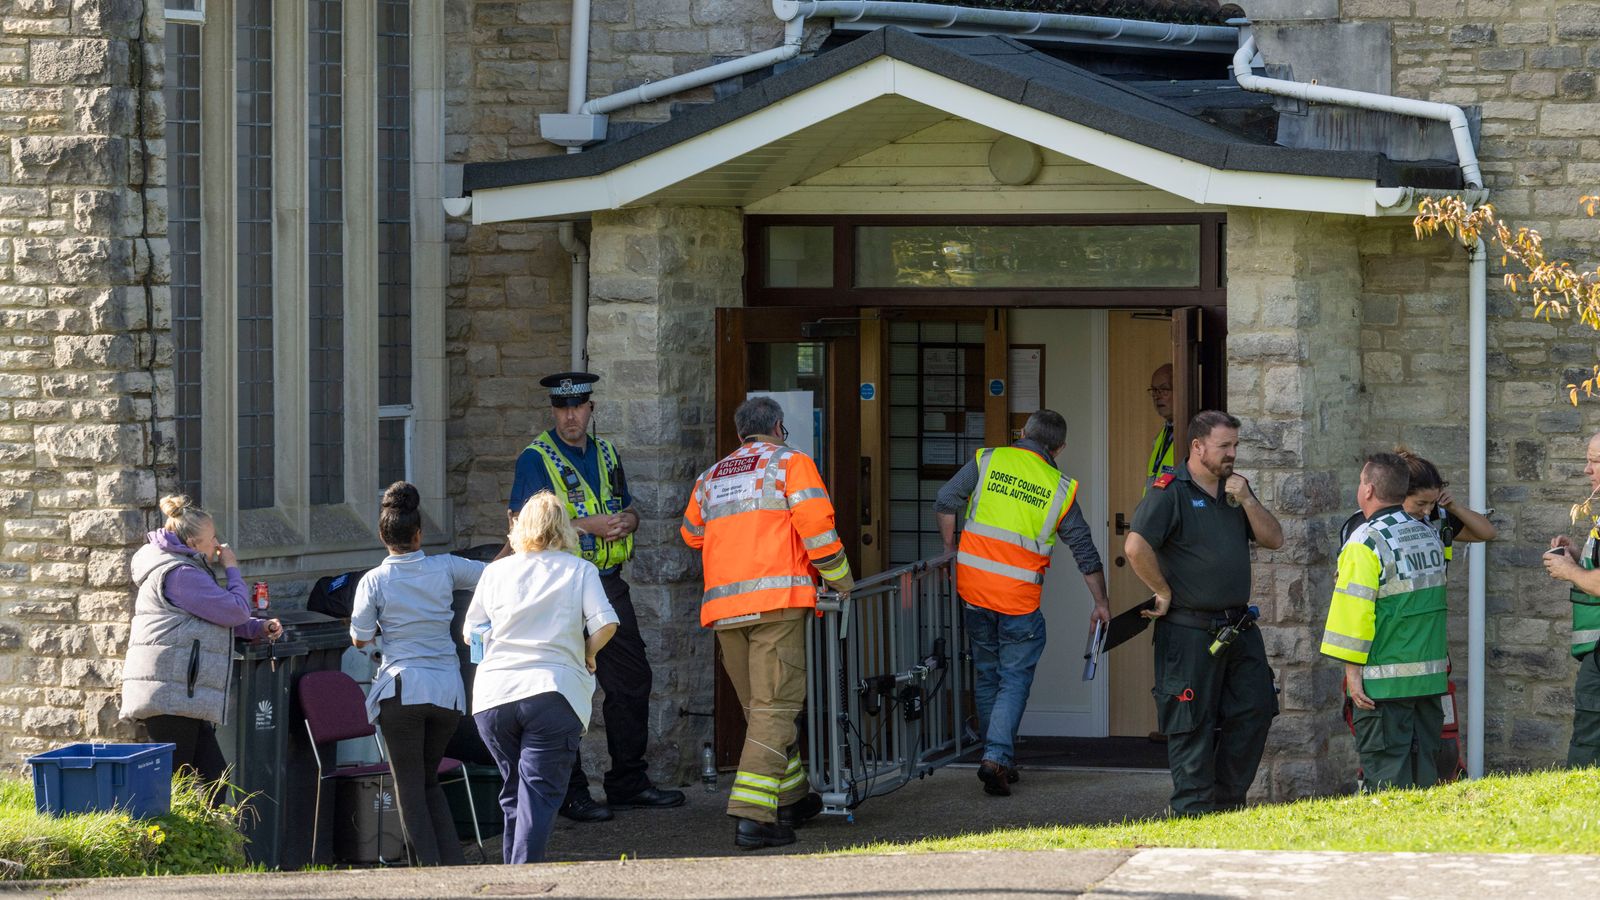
x=1428 y=501
x=180 y=652
x=417 y=696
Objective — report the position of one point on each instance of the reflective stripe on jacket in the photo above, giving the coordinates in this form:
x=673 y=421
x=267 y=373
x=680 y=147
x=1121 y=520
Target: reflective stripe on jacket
x=1012 y=517
x=583 y=499
x=762 y=519
x=1388 y=613
x=1586 y=607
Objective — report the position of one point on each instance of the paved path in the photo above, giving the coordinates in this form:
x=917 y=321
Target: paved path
x=1111 y=875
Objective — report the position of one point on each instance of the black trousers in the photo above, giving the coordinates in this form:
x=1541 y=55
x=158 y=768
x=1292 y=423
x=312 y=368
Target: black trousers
x=195 y=745
x=416 y=736
x=1215 y=712
x=624 y=674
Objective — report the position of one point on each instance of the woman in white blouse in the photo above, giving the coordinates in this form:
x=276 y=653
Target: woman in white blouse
x=532 y=694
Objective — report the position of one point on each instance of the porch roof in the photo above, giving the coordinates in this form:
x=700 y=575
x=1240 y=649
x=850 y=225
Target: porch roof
x=891 y=83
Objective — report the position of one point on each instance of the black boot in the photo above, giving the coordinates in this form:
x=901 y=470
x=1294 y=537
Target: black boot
x=752 y=835
x=795 y=814
x=584 y=808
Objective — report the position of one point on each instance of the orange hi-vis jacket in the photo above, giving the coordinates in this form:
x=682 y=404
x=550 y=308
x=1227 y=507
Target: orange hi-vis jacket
x=761 y=519
x=1010 y=529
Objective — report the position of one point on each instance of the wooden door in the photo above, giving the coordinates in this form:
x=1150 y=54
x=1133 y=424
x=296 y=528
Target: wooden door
x=792 y=350
x=1139 y=344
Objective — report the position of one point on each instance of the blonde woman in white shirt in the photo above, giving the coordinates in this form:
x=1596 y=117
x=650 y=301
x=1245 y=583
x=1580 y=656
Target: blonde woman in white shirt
x=532 y=695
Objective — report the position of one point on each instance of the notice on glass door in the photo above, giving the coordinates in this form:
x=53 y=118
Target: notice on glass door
x=797 y=417
x=1026 y=365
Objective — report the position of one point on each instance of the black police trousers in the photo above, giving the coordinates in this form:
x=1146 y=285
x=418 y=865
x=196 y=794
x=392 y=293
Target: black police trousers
x=624 y=674
x=1215 y=712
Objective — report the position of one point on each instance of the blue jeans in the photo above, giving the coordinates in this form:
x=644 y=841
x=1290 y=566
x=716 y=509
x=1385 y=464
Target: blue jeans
x=1005 y=651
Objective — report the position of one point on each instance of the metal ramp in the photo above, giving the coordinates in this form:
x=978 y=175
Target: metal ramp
x=888 y=680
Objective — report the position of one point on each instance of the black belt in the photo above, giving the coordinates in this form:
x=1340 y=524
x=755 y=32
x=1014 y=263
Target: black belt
x=1206 y=620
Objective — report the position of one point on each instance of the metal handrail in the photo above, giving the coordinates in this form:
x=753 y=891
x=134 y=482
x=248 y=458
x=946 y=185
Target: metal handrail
x=887 y=683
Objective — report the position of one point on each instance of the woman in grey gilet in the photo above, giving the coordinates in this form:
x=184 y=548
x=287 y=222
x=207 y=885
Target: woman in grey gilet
x=175 y=679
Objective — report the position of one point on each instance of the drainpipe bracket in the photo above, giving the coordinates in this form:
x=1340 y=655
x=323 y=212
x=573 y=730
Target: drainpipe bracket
x=572 y=129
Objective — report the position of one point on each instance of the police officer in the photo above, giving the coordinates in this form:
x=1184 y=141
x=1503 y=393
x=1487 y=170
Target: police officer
x=1387 y=625
x=1190 y=543
x=1564 y=563
x=1017 y=503
x=586 y=473
x=1161 y=450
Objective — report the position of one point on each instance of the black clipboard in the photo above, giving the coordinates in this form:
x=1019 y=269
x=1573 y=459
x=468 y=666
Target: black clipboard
x=1127 y=625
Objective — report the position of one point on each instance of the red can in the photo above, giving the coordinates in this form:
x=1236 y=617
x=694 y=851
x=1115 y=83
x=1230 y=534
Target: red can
x=259 y=595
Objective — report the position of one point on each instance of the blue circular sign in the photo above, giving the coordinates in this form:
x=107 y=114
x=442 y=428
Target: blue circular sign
x=996 y=387
x=868 y=390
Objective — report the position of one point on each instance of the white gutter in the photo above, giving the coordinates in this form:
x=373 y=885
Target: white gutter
x=793 y=30
x=1477 y=341
x=869 y=14
x=567 y=232
x=1460 y=131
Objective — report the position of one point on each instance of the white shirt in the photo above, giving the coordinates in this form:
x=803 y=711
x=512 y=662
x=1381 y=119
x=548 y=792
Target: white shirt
x=537 y=606
x=407 y=597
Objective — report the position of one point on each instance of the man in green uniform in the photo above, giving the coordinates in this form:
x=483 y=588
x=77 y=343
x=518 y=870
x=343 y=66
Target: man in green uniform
x=1387 y=625
x=1190 y=543
x=1564 y=563
x=1161 y=450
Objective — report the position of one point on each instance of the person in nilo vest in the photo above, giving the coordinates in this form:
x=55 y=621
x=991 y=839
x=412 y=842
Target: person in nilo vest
x=764 y=525
x=586 y=473
x=1387 y=624
x=1582 y=572
x=1017 y=503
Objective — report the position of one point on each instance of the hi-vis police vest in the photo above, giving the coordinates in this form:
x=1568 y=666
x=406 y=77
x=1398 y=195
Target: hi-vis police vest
x=583 y=499
x=763 y=522
x=1010 y=529
x=1586 y=607
x=1388 y=613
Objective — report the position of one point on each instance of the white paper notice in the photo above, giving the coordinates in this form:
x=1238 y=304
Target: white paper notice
x=797 y=406
x=1027 y=375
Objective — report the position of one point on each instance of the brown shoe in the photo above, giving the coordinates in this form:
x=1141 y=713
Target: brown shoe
x=1157 y=737
x=993 y=776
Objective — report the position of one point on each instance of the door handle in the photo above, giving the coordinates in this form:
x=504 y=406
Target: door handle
x=866 y=491
x=1122 y=524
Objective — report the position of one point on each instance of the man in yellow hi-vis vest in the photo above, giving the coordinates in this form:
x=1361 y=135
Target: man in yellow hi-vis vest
x=586 y=473
x=1161 y=452
x=1017 y=503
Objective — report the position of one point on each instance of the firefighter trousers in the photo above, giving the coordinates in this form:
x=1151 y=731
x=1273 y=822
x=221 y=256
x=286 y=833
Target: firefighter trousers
x=1215 y=712
x=1399 y=742
x=766 y=661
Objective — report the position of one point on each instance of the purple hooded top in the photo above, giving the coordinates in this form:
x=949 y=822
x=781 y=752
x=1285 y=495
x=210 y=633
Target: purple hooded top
x=196 y=592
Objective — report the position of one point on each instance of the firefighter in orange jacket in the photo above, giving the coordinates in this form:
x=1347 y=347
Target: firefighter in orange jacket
x=763 y=523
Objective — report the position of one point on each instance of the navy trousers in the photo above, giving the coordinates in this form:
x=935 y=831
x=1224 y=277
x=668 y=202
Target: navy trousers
x=624 y=674
x=534 y=741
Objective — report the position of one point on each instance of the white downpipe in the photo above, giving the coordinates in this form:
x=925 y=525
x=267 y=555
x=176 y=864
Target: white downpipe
x=793 y=31
x=567 y=232
x=1477 y=495
x=1013 y=22
x=1477 y=342
x=1460 y=132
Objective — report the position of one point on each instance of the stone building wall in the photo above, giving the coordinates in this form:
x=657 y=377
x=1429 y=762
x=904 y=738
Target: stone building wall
x=1529 y=66
x=1293 y=379
x=85 y=380
x=509 y=316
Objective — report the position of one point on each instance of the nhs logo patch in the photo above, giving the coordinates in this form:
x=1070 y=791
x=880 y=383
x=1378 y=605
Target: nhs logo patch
x=1198 y=504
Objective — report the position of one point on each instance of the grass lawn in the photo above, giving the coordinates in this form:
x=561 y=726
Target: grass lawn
x=191 y=839
x=1543 y=812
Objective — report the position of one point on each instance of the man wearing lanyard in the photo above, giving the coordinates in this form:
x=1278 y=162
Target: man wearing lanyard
x=586 y=473
x=1161 y=450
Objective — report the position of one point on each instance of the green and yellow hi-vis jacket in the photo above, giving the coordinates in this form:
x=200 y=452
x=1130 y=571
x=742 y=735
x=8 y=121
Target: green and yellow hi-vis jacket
x=583 y=499
x=1161 y=456
x=1586 y=607
x=1388 y=614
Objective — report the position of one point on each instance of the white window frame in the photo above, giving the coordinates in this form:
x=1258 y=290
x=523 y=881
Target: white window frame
x=298 y=542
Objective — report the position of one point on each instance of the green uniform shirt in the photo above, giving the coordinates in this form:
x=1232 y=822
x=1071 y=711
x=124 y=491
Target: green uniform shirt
x=1202 y=543
x=1388 y=611
x=1586 y=607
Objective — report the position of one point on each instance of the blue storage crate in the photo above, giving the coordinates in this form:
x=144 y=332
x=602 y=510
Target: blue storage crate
x=132 y=778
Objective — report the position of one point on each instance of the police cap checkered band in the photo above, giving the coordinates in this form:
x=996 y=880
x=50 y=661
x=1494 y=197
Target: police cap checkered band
x=570 y=388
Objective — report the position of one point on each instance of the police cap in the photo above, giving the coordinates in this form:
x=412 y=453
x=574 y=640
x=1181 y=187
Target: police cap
x=570 y=388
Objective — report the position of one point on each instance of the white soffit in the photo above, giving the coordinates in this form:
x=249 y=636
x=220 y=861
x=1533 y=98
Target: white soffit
x=867 y=107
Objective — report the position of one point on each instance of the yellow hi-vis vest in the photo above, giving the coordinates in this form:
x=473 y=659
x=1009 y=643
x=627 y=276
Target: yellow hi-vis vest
x=1388 y=613
x=1160 y=455
x=583 y=499
x=1010 y=529
x=1586 y=607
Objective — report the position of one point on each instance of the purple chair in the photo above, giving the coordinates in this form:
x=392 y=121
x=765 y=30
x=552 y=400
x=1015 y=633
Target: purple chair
x=336 y=710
